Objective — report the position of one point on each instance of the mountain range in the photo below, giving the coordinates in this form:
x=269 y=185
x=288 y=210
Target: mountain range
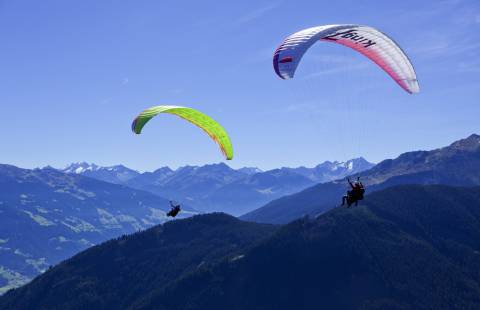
x=47 y=216
x=457 y=164
x=217 y=187
x=408 y=247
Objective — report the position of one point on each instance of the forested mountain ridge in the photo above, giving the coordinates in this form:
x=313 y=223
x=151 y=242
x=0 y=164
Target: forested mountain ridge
x=410 y=246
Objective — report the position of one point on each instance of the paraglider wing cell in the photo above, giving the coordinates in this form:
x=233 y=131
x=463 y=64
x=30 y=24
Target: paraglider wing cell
x=206 y=123
x=368 y=41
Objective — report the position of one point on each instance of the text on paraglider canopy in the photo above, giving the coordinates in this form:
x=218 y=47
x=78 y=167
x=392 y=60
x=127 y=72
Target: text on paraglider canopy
x=351 y=35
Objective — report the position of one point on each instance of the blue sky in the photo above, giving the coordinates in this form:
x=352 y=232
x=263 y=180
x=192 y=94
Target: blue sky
x=75 y=73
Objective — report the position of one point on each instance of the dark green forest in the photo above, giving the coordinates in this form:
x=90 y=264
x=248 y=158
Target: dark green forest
x=407 y=247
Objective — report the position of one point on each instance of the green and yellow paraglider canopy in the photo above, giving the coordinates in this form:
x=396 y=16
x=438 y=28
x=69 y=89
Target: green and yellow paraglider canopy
x=205 y=122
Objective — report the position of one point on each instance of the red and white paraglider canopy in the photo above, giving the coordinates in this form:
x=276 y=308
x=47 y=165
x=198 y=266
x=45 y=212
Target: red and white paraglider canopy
x=366 y=40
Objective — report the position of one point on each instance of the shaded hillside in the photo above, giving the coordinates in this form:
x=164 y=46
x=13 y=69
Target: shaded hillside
x=457 y=164
x=410 y=247
x=116 y=273
x=47 y=216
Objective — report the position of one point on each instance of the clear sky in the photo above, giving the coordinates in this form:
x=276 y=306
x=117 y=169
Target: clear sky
x=75 y=73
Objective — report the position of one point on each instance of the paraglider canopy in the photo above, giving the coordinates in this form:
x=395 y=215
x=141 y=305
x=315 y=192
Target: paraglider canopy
x=368 y=41
x=204 y=122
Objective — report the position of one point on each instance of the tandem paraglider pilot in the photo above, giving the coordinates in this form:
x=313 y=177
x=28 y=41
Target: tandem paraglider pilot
x=355 y=194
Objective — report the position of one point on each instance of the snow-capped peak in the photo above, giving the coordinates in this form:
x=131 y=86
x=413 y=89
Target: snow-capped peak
x=250 y=170
x=80 y=168
x=350 y=165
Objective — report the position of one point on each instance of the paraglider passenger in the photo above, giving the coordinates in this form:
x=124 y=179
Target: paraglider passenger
x=355 y=194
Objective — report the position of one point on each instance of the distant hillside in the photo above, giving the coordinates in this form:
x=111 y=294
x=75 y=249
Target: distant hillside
x=457 y=164
x=47 y=216
x=409 y=247
x=217 y=187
